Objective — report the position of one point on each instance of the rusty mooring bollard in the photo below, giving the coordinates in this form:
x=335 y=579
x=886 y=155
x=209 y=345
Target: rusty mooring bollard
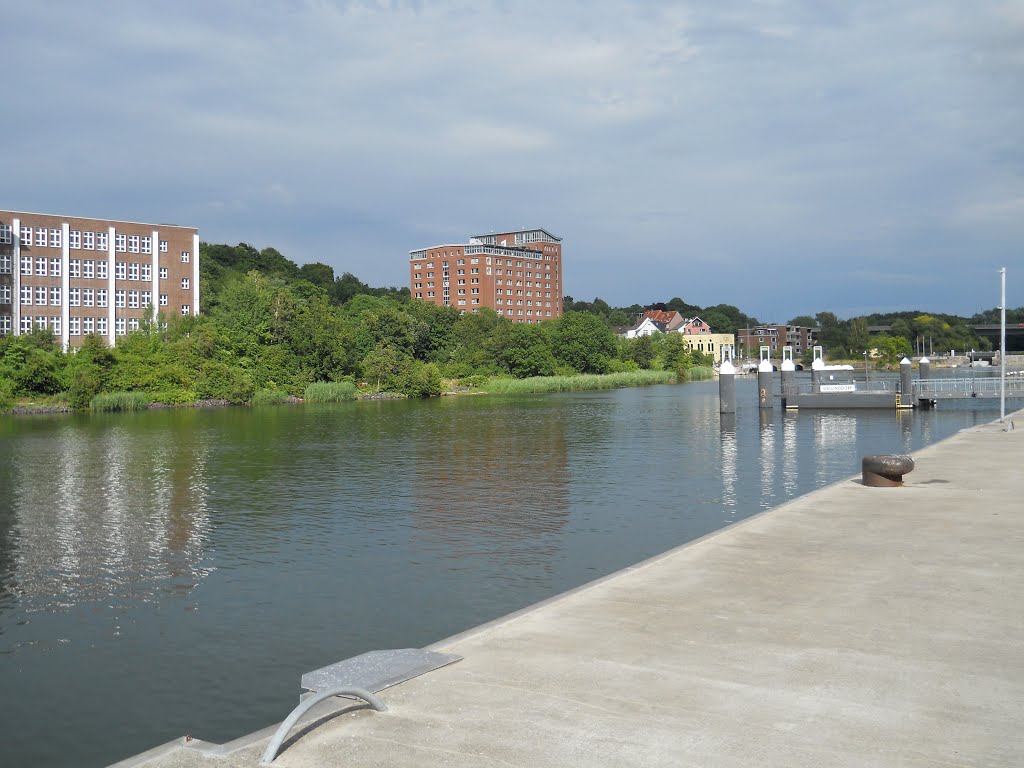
x=885 y=470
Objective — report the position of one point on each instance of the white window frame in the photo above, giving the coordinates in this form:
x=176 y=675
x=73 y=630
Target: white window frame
x=185 y=256
x=5 y=325
x=40 y=266
x=5 y=263
x=163 y=246
x=40 y=237
x=185 y=309
x=55 y=267
x=101 y=297
x=119 y=298
x=88 y=269
x=133 y=299
x=147 y=244
x=74 y=267
x=101 y=270
x=120 y=243
x=75 y=239
x=55 y=238
x=88 y=297
x=120 y=270
x=88 y=241
x=163 y=273
x=5 y=294
x=26 y=295
x=74 y=326
x=40 y=295
x=101 y=326
x=163 y=299
x=147 y=273
x=184 y=283
x=119 y=326
x=88 y=325
x=102 y=241
x=133 y=243
x=54 y=296
x=74 y=297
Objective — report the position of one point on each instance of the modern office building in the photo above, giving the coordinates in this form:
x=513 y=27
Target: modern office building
x=77 y=276
x=518 y=274
x=750 y=340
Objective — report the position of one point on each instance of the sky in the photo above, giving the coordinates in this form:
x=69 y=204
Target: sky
x=783 y=156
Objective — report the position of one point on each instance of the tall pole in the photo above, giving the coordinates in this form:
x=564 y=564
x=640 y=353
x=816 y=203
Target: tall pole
x=1002 y=346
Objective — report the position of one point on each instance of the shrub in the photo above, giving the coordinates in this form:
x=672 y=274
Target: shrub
x=270 y=397
x=330 y=392
x=110 y=402
x=173 y=396
x=422 y=380
x=6 y=394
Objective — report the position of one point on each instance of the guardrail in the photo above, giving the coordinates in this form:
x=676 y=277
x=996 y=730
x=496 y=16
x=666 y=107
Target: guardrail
x=825 y=387
x=988 y=386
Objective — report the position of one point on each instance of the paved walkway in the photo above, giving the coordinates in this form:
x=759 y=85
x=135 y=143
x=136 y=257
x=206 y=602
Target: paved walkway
x=854 y=626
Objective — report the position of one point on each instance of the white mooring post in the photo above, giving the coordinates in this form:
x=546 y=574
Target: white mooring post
x=727 y=388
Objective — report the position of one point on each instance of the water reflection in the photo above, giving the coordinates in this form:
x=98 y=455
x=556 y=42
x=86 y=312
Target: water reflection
x=767 y=458
x=789 y=452
x=103 y=514
x=729 y=454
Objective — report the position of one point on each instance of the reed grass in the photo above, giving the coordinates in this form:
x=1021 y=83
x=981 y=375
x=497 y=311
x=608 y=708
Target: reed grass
x=696 y=373
x=269 y=397
x=330 y=392
x=579 y=383
x=111 y=402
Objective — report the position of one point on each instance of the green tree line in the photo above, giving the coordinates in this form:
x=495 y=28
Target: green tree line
x=271 y=326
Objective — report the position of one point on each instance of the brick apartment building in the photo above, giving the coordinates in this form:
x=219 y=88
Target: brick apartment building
x=518 y=274
x=78 y=276
x=750 y=340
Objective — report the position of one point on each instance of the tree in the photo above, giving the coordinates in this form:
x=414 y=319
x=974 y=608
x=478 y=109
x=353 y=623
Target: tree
x=583 y=342
x=522 y=350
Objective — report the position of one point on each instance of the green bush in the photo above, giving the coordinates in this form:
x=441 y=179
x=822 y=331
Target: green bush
x=6 y=394
x=110 y=402
x=422 y=380
x=173 y=396
x=270 y=397
x=696 y=373
x=220 y=381
x=330 y=392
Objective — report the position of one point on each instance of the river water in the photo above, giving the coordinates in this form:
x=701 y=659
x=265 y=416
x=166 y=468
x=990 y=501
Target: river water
x=175 y=572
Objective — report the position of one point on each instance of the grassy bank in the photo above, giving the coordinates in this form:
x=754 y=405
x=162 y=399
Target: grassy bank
x=542 y=384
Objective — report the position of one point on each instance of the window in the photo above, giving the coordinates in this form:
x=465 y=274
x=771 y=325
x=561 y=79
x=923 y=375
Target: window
x=101 y=297
x=88 y=325
x=184 y=283
x=163 y=246
x=133 y=271
x=55 y=238
x=163 y=273
x=74 y=297
x=163 y=299
x=133 y=299
x=55 y=325
x=74 y=326
x=25 y=235
x=147 y=298
x=74 y=268
x=184 y=257
x=5 y=264
x=120 y=243
x=5 y=325
x=41 y=266
x=88 y=240
x=102 y=243
x=185 y=309
x=88 y=268
x=41 y=295
x=74 y=238
x=101 y=270
x=26 y=294
x=119 y=298
x=147 y=245
x=26 y=265
x=54 y=267
x=101 y=326
x=133 y=244
x=119 y=326
x=26 y=324
x=133 y=324
x=147 y=272
x=6 y=234
x=55 y=297
x=120 y=270
x=40 y=237
x=5 y=294
x=87 y=297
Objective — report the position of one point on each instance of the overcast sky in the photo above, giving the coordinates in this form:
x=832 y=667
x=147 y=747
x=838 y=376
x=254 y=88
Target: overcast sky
x=785 y=156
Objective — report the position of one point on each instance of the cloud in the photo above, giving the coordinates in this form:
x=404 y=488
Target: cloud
x=726 y=151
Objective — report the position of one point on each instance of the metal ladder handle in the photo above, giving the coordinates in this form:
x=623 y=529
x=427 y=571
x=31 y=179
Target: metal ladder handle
x=304 y=706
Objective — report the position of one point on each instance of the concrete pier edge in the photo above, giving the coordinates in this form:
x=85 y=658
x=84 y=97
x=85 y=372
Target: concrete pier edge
x=330 y=710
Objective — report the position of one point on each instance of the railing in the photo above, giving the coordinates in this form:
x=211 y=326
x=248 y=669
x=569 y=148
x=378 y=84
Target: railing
x=988 y=386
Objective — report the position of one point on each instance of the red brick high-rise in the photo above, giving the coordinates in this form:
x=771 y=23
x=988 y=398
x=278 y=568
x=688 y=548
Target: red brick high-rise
x=518 y=274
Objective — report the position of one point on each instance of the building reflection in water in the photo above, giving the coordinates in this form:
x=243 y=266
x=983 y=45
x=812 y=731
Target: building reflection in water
x=97 y=512
x=728 y=461
x=495 y=489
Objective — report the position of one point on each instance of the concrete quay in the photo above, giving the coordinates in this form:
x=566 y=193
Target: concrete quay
x=854 y=626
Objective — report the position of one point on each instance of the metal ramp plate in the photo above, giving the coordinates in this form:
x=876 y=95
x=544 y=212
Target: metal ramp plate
x=377 y=670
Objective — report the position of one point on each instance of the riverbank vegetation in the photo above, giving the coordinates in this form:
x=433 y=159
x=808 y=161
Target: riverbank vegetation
x=273 y=331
